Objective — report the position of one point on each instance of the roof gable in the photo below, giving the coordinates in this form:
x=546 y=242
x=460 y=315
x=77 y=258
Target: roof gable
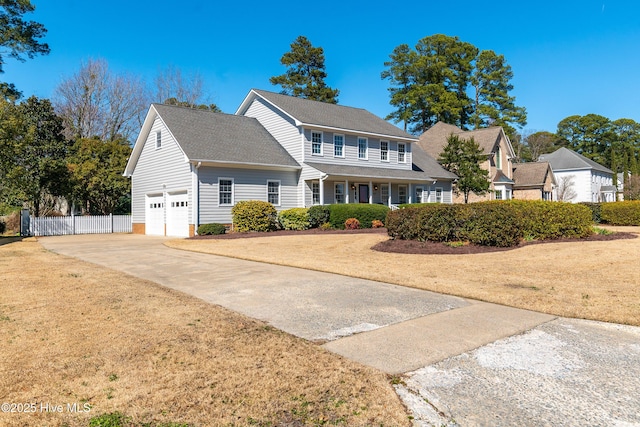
x=214 y=137
x=565 y=159
x=310 y=113
x=532 y=174
x=435 y=138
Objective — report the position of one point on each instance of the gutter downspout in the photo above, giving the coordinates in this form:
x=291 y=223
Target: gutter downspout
x=196 y=197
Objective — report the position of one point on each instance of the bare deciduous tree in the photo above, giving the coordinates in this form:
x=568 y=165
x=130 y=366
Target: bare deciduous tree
x=566 y=190
x=171 y=84
x=95 y=102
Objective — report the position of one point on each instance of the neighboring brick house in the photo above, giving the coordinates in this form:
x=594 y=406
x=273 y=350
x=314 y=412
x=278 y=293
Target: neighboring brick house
x=495 y=145
x=533 y=181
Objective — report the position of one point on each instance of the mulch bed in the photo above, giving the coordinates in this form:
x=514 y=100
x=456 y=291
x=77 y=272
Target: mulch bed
x=412 y=246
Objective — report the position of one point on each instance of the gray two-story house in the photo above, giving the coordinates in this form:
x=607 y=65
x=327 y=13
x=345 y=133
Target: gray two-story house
x=189 y=167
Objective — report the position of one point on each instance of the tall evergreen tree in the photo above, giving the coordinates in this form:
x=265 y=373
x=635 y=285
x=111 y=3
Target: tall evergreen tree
x=431 y=84
x=591 y=135
x=462 y=157
x=493 y=105
x=305 y=75
x=17 y=36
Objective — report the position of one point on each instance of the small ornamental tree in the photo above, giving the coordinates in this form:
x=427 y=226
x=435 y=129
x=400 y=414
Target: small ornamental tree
x=462 y=157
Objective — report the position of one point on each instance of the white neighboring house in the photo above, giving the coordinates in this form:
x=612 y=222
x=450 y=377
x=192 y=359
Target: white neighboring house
x=580 y=179
x=190 y=167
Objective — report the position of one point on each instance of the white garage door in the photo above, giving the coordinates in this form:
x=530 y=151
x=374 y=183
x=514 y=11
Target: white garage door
x=178 y=214
x=154 y=215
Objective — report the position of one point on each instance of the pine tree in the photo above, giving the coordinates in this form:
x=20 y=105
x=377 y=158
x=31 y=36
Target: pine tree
x=305 y=75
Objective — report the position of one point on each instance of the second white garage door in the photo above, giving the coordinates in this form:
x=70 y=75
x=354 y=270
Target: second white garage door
x=178 y=214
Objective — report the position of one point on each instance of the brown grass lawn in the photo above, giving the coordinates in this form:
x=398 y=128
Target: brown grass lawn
x=72 y=332
x=590 y=280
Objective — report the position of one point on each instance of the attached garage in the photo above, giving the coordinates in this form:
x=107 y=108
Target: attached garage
x=154 y=215
x=178 y=214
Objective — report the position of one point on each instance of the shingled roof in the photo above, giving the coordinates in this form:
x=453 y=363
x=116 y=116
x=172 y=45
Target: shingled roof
x=205 y=135
x=530 y=174
x=435 y=138
x=564 y=159
x=427 y=164
x=333 y=116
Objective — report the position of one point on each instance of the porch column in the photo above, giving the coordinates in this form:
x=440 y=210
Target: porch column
x=389 y=195
x=347 y=191
x=321 y=185
x=370 y=192
x=410 y=195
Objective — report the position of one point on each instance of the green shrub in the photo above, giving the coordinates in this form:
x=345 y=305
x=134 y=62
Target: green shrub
x=326 y=226
x=294 y=219
x=596 y=211
x=351 y=224
x=365 y=213
x=318 y=215
x=621 y=213
x=254 y=215
x=543 y=220
x=491 y=224
x=211 y=229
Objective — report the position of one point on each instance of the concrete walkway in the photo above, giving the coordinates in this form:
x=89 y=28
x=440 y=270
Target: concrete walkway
x=463 y=361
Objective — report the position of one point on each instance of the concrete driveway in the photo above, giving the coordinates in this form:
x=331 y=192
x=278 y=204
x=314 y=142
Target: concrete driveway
x=462 y=362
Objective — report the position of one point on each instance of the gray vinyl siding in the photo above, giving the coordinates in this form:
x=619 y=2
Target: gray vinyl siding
x=282 y=127
x=156 y=167
x=351 y=151
x=248 y=184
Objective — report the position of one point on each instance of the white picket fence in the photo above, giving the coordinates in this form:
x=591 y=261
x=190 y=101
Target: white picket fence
x=94 y=224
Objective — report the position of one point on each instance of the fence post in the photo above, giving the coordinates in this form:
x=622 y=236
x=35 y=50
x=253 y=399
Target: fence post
x=111 y=218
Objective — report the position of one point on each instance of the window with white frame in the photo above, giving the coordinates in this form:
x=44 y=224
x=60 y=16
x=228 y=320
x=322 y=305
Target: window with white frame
x=363 y=148
x=273 y=192
x=338 y=145
x=402 y=153
x=315 y=193
x=402 y=194
x=384 y=194
x=339 y=192
x=316 y=143
x=438 y=195
x=225 y=191
x=420 y=195
x=498 y=158
x=158 y=139
x=499 y=194
x=384 y=151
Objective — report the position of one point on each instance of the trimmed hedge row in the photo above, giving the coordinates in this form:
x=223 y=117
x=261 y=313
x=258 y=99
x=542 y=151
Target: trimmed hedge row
x=621 y=213
x=365 y=213
x=501 y=224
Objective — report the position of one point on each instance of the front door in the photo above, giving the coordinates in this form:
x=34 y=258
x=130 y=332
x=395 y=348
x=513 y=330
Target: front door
x=363 y=193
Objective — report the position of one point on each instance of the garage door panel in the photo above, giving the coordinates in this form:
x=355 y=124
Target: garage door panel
x=178 y=214
x=154 y=215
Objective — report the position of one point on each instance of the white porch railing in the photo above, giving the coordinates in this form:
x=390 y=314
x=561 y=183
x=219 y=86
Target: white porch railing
x=94 y=224
x=394 y=207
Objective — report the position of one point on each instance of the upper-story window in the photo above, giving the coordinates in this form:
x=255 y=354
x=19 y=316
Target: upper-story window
x=384 y=151
x=363 y=148
x=338 y=145
x=158 y=139
x=316 y=143
x=498 y=158
x=402 y=153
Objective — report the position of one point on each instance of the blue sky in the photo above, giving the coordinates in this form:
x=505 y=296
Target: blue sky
x=568 y=57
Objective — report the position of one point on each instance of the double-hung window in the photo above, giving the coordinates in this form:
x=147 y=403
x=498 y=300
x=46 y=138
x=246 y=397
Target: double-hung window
x=338 y=145
x=438 y=195
x=402 y=194
x=363 y=148
x=273 y=192
x=402 y=153
x=225 y=191
x=316 y=143
x=158 y=139
x=384 y=151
